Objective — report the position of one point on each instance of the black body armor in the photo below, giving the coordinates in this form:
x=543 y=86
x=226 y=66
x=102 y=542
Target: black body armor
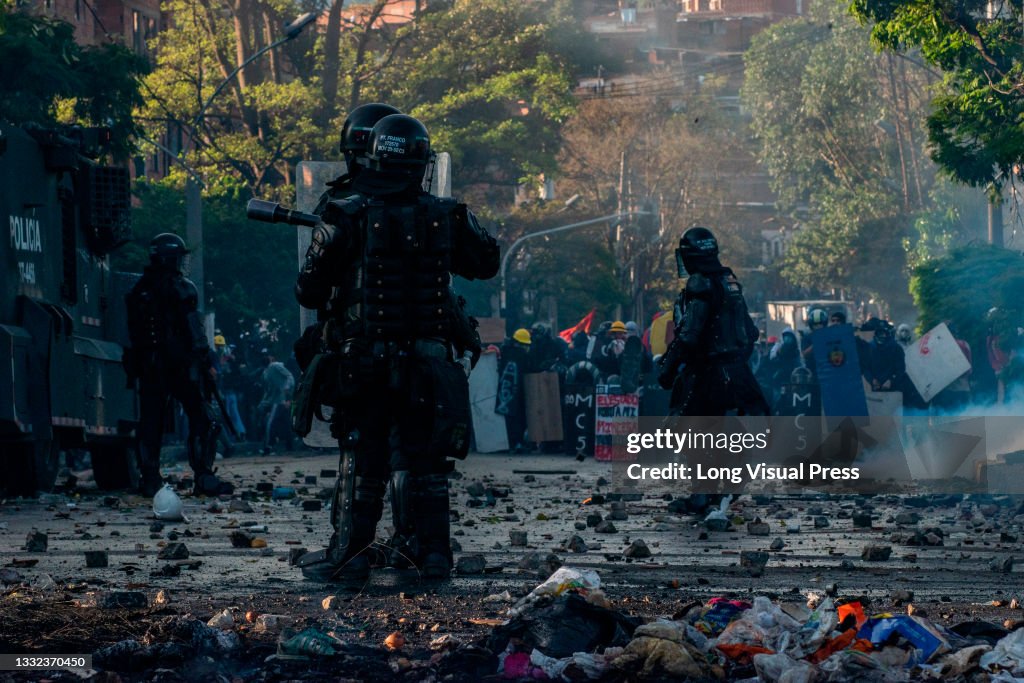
x=163 y=317
x=391 y=263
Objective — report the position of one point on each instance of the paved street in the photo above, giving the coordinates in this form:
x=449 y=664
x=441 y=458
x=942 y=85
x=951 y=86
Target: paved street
x=545 y=496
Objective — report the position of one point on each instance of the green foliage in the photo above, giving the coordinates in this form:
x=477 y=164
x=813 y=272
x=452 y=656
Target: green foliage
x=974 y=125
x=261 y=124
x=46 y=78
x=491 y=80
x=838 y=132
x=939 y=228
x=576 y=268
x=468 y=70
x=250 y=266
x=962 y=286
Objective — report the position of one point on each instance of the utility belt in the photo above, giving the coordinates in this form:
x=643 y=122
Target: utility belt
x=434 y=389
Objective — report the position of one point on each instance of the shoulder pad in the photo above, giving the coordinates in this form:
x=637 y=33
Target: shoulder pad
x=698 y=284
x=351 y=204
x=443 y=203
x=185 y=289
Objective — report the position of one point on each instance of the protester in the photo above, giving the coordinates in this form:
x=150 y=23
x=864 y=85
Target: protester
x=547 y=352
x=904 y=335
x=231 y=382
x=278 y=384
x=578 y=349
x=513 y=363
x=885 y=365
x=784 y=358
x=817 y=319
x=608 y=358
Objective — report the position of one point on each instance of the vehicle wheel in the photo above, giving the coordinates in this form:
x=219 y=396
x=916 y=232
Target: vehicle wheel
x=114 y=467
x=32 y=467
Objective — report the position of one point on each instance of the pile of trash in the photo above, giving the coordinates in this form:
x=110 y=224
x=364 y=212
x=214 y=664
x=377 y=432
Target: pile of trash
x=566 y=630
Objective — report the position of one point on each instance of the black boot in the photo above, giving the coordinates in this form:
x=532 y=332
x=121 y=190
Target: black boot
x=330 y=566
x=433 y=526
x=402 y=546
x=149 y=467
x=209 y=484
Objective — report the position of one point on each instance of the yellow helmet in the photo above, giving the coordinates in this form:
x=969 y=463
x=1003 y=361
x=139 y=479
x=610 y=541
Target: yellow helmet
x=219 y=340
x=618 y=326
x=522 y=335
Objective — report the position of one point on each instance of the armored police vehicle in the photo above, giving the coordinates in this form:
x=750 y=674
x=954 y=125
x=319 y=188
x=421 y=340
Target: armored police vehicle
x=62 y=315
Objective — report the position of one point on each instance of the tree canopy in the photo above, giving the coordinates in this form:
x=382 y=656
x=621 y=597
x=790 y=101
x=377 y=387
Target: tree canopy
x=974 y=125
x=840 y=136
x=964 y=285
x=46 y=78
x=490 y=79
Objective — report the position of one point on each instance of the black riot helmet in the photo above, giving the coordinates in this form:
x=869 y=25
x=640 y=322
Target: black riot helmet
x=399 y=147
x=167 y=250
x=698 y=251
x=355 y=132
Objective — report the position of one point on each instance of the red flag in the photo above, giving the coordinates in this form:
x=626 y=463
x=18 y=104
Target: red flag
x=581 y=326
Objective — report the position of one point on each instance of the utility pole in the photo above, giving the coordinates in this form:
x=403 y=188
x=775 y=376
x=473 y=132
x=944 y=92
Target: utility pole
x=193 y=192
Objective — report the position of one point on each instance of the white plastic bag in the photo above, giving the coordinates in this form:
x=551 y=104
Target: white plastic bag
x=1007 y=654
x=720 y=513
x=167 y=505
x=564 y=579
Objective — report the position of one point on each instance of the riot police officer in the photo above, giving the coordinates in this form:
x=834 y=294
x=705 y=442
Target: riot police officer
x=378 y=270
x=714 y=337
x=170 y=357
x=355 y=133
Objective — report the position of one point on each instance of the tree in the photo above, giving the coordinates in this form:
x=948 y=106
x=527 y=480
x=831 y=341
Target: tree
x=246 y=283
x=974 y=123
x=575 y=269
x=839 y=136
x=254 y=132
x=492 y=82
x=47 y=78
x=639 y=154
x=963 y=285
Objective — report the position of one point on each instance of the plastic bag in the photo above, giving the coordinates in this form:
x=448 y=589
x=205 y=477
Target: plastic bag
x=721 y=514
x=552 y=667
x=308 y=642
x=816 y=630
x=581 y=581
x=779 y=667
x=167 y=505
x=718 y=614
x=1007 y=654
x=564 y=625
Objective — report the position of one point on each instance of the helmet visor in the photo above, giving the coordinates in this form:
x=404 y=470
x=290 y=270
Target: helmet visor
x=680 y=266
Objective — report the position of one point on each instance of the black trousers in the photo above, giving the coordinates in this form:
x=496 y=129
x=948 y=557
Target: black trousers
x=157 y=386
x=388 y=417
x=717 y=388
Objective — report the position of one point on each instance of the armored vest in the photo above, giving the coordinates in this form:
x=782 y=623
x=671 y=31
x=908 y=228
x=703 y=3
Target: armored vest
x=405 y=270
x=157 y=308
x=729 y=324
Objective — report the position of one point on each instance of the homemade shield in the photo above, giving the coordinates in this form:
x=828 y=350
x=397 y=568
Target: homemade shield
x=488 y=426
x=543 y=406
x=935 y=361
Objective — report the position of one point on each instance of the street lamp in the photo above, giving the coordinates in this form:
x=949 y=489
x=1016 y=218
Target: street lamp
x=540 y=233
x=193 y=199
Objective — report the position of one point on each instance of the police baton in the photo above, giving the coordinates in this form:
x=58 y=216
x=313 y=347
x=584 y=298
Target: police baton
x=272 y=212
